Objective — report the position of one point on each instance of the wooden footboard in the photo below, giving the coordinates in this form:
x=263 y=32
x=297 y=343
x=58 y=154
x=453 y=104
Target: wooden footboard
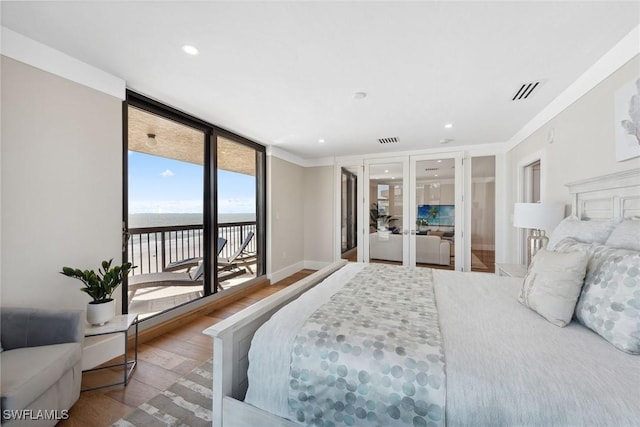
x=231 y=341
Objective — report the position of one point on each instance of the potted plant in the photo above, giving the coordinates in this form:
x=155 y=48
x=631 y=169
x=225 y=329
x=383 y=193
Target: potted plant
x=379 y=221
x=100 y=286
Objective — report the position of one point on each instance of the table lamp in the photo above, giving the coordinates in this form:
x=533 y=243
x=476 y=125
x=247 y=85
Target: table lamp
x=538 y=217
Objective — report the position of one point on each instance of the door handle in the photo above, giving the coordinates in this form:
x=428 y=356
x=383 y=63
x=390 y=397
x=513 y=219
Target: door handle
x=125 y=236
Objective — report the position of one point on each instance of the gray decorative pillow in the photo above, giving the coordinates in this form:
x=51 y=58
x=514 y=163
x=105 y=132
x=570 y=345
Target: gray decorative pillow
x=553 y=283
x=626 y=235
x=587 y=231
x=610 y=301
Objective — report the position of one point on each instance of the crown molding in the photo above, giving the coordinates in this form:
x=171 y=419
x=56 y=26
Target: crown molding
x=625 y=50
x=297 y=160
x=38 y=55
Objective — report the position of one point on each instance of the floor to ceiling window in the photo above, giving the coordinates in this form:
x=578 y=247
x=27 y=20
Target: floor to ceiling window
x=194 y=208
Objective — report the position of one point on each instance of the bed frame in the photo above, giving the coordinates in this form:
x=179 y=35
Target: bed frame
x=611 y=196
x=605 y=197
x=231 y=340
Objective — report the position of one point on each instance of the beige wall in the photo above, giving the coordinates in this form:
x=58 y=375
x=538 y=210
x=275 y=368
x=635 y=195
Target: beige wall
x=61 y=185
x=285 y=213
x=318 y=215
x=583 y=145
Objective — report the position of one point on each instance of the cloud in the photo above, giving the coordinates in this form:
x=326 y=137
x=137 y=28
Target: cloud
x=167 y=173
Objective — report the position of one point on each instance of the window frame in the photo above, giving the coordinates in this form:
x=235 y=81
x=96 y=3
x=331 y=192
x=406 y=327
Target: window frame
x=210 y=196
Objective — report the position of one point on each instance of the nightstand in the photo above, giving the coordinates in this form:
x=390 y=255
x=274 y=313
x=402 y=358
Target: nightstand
x=511 y=270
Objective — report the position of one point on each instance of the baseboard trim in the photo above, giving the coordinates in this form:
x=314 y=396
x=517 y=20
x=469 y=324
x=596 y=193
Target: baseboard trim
x=315 y=265
x=276 y=276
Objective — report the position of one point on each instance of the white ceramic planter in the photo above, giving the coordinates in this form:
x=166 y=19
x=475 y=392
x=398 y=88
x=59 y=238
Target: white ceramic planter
x=99 y=314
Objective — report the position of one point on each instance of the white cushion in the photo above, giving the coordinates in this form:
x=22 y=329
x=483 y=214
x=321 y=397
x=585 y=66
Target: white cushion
x=552 y=285
x=586 y=231
x=626 y=235
x=29 y=371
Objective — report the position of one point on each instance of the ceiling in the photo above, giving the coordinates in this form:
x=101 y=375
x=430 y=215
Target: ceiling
x=158 y=136
x=286 y=73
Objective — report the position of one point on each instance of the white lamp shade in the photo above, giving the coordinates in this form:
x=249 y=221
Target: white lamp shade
x=539 y=216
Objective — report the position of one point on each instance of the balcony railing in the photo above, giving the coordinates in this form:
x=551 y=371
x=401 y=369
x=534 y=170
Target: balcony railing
x=152 y=249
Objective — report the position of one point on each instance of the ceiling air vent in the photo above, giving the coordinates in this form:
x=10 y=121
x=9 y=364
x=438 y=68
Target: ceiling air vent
x=432 y=169
x=390 y=140
x=525 y=91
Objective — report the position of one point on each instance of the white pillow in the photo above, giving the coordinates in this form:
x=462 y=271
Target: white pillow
x=553 y=283
x=587 y=231
x=626 y=235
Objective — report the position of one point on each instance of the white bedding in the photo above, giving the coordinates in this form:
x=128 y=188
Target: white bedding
x=508 y=366
x=270 y=352
x=505 y=364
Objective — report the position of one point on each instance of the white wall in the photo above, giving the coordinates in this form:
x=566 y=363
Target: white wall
x=61 y=185
x=285 y=217
x=583 y=146
x=318 y=216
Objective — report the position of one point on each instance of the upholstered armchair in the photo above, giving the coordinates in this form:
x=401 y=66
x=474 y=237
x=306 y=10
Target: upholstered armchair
x=40 y=363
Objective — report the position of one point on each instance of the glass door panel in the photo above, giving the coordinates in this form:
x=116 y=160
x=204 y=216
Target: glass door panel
x=165 y=212
x=237 y=234
x=348 y=214
x=434 y=210
x=483 y=202
x=386 y=199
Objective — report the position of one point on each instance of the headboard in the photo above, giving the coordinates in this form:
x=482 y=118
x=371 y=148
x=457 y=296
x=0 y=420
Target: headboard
x=609 y=196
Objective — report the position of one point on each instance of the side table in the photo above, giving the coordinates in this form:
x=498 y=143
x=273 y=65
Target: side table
x=118 y=325
x=511 y=270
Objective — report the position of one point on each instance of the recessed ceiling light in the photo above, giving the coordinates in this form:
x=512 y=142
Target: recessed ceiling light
x=359 y=95
x=321 y=141
x=435 y=175
x=191 y=50
x=440 y=161
x=448 y=126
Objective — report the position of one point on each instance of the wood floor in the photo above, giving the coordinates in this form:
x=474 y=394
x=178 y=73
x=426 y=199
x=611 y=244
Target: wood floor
x=161 y=362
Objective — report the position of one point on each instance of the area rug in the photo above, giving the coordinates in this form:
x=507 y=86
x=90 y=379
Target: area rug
x=187 y=402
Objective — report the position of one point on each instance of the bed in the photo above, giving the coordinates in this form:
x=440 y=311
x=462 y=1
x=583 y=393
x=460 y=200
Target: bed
x=492 y=361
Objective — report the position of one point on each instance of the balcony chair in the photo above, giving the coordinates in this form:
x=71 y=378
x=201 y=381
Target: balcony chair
x=240 y=258
x=171 y=276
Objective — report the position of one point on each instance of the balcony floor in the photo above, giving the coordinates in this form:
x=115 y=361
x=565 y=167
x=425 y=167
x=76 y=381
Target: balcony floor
x=153 y=300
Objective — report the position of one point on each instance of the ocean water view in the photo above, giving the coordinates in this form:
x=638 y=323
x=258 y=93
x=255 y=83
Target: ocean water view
x=140 y=220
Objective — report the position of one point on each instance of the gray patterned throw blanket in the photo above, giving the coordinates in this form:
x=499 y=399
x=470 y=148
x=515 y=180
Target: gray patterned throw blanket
x=372 y=355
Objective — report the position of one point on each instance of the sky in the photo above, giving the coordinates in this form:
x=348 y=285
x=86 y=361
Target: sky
x=161 y=185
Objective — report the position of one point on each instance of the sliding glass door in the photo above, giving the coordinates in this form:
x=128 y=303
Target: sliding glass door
x=165 y=211
x=238 y=194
